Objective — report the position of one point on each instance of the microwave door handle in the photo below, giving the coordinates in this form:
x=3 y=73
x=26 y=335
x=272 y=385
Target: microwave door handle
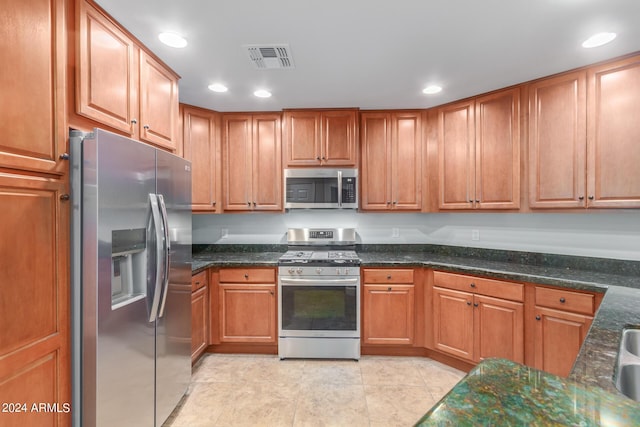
x=167 y=254
x=159 y=237
x=339 y=188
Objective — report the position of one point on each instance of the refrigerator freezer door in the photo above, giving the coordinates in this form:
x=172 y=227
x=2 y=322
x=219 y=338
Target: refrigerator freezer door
x=174 y=323
x=118 y=339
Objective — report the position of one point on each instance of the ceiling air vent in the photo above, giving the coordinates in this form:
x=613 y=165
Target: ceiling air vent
x=270 y=56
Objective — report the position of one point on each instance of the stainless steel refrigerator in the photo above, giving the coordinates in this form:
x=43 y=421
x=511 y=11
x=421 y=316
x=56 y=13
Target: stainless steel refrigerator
x=131 y=233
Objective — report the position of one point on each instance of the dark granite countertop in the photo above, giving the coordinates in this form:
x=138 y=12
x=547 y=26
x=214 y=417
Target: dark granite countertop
x=619 y=280
x=498 y=392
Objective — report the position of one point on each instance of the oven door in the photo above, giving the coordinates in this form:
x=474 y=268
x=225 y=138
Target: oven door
x=315 y=307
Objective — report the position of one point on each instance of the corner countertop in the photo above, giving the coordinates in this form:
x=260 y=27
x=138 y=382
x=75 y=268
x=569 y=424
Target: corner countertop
x=499 y=392
x=619 y=280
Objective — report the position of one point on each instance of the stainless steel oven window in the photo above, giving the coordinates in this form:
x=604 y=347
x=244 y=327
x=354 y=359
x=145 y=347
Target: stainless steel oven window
x=319 y=308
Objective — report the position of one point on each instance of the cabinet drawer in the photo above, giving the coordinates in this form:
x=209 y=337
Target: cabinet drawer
x=199 y=280
x=565 y=300
x=388 y=276
x=247 y=275
x=479 y=285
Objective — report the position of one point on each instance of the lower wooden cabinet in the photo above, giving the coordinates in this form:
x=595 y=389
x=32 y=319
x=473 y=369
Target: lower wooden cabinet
x=473 y=326
x=388 y=307
x=562 y=320
x=199 y=314
x=247 y=306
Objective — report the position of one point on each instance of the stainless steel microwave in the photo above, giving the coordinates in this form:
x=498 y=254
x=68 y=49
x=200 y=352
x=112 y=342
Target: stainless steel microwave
x=321 y=188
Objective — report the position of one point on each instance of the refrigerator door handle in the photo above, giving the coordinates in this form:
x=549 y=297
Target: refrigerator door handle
x=167 y=254
x=160 y=261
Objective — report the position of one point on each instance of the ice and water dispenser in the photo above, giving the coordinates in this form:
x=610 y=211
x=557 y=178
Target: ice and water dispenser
x=128 y=266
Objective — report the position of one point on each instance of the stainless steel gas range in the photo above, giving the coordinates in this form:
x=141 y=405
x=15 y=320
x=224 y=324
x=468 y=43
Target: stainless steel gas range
x=319 y=295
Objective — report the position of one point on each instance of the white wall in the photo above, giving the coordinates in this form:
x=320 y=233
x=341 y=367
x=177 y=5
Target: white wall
x=613 y=234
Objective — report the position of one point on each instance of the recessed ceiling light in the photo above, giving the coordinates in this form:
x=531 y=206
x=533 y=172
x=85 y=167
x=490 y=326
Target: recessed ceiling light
x=218 y=87
x=432 y=89
x=172 y=39
x=598 y=40
x=262 y=93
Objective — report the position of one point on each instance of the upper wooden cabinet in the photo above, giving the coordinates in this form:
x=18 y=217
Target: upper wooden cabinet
x=119 y=85
x=320 y=138
x=479 y=152
x=201 y=130
x=34 y=132
x=557 y=141
x=613 y=149
x=391 y=172
x=252 y=162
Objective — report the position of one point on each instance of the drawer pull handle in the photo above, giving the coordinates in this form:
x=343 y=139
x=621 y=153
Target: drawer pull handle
x=562 y=300
x=473 y=285
x=538 y=317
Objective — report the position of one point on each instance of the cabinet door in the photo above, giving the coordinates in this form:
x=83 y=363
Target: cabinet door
x=388 y=314
x=375 y=170
x=453 y=322
x=557 y=142
x=236 y=162
x=338 y=138
x=497 y=156
x=34 y=306
x=302 y=138
x=613 y=175
x=107 y=80
x=247 y=313
x=34 y=72
x=499 y=329
x=199 y=309
x=158 y=103
x=202 y=149
x=267 y=163
x=456 y=152
x=558 y=338
x=406 y=161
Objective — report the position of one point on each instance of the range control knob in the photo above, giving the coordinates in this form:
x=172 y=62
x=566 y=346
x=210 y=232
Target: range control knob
x=291 y=270
x=337 y=271
x=318 y=270
x=299 y=270
x=346 y=271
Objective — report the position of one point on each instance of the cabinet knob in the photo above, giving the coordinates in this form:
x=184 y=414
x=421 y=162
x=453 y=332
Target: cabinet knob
x=388 y=202
x=64 y=156
x=475 y=304
x=197 y=283
x=213 y=203
x=468 y=302
x=562 y=300
x=477 y=201
x=470 y=201
x=248 y=203
x=254 y=203
x=538 y=317
x=324 y=158
x=246 y=276
x=581 y=198
x=146 y=127
x=318 y=158
x=395 y=202
x=388 y=277
x=591 y=197
x=271 y=292
x=389 y=289
x=473 y=285
x=64 y=197
x=134 y=121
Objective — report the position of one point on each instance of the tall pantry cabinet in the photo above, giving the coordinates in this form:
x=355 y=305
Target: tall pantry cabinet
x=34 y=219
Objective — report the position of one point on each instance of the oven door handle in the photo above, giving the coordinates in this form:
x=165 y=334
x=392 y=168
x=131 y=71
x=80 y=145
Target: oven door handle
x=321 y=282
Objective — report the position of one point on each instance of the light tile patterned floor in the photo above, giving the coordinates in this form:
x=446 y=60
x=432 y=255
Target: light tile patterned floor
x=257 y=390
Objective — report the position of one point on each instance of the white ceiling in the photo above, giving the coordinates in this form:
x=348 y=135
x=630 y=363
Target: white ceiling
x=374 y=54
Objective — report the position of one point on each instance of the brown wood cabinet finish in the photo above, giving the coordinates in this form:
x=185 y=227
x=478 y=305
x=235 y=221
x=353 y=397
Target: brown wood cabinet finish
x=558 y=338
x=201 y=147
x=122 y=86
x=34 y=309
x=389 y=314
x=33 y=126
x=199 y=322
x=613 y=151
x=320 y=138
x=557 y=141
x=247 y=311
x=474 y=326
x=479 y=152
x=391 y=172
x=252 y=162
